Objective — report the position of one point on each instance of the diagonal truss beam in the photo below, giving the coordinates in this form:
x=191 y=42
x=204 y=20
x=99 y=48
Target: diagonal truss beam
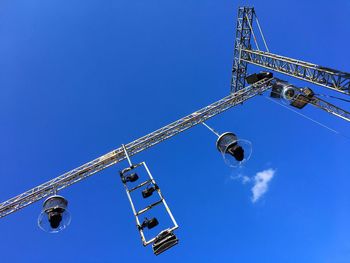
x=323 y=76
x=330 y=108
x=141 y=144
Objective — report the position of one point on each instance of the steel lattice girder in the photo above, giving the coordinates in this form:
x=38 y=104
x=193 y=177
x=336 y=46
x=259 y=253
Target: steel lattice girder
x=242 y=41
x=323 y=76
x=330 y=108
x=113 y=157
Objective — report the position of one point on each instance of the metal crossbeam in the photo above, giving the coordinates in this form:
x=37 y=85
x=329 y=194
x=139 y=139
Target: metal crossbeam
x=330 y=108
x=115 y=156
x=243 y=35
x=323 y=76
x=149 y=207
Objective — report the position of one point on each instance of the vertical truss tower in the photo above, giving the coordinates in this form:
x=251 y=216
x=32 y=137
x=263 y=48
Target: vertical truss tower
x=243 y=35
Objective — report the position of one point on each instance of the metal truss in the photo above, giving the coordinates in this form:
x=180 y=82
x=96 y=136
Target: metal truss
x=323 y=76
x=242 y=41
x=141 y=144
x=330 y=108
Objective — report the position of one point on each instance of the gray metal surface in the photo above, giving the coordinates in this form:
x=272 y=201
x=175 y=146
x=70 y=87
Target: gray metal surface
x=132 y=148
x=323 y=76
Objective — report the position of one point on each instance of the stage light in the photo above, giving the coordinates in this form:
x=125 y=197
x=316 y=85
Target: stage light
x=291 y=95
x=255 y=77
x=235 y=151
x=165 y=240
x=149 y=223
x=54 y=216
x=149 y=191
x=130 y=178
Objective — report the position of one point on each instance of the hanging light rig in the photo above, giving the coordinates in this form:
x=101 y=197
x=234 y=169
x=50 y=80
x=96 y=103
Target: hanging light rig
x=235 y=152
x=166 y=238
x=54 y=217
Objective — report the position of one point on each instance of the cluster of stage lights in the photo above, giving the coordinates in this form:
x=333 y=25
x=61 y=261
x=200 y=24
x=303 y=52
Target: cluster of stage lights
x=55 y=217
x=284 y=91
x=147 y=192
x=166 y=238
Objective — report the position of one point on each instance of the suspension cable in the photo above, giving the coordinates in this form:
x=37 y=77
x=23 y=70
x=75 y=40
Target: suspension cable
x=251 y=28
x=261 y=33
x=211 y=129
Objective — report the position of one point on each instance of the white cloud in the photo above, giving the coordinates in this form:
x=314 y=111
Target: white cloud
x=261 y=183
x=245 y=179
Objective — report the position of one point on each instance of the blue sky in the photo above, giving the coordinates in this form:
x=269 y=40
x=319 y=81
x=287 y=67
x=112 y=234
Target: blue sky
x=79 y=78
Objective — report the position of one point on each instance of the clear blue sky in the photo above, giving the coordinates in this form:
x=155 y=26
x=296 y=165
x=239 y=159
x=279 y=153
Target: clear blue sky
x=79 y=78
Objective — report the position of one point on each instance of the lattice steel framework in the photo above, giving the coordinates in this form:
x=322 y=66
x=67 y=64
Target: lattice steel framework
x=242 y=41
x=243 y=55
x=132 y=148
x=330 y=108
x=323 y=76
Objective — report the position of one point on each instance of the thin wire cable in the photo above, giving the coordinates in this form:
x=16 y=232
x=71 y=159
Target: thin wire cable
x=308 y=118
x=211 y=129
x=251 y=28
x=261 y=33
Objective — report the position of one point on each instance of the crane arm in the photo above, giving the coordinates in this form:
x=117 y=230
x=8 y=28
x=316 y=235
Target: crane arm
x=18 y=202
x=323 y=76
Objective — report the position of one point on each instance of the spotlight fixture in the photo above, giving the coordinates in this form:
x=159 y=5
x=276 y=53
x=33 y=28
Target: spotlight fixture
x=302 y=98
x=165 y=240
x=236 y=151
x=127 y=169
x=54 y=216
x=149 y=223
x=230 y=146
x=228 y=143
x=130 y=178
x=149 y=191
x=294 y=96
x=253 y=78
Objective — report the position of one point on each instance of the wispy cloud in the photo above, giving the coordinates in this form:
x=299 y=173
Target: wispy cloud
x=261 y=183
x=245 y=179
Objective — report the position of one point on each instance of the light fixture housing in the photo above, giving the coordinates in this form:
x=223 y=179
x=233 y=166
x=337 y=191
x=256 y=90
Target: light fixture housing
x=54 y=216
x=149 y=191
x=255 y=77
x=291 y=95
x=149 y=223
x=235 y=151
x=165 y=240
x=130 y=178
